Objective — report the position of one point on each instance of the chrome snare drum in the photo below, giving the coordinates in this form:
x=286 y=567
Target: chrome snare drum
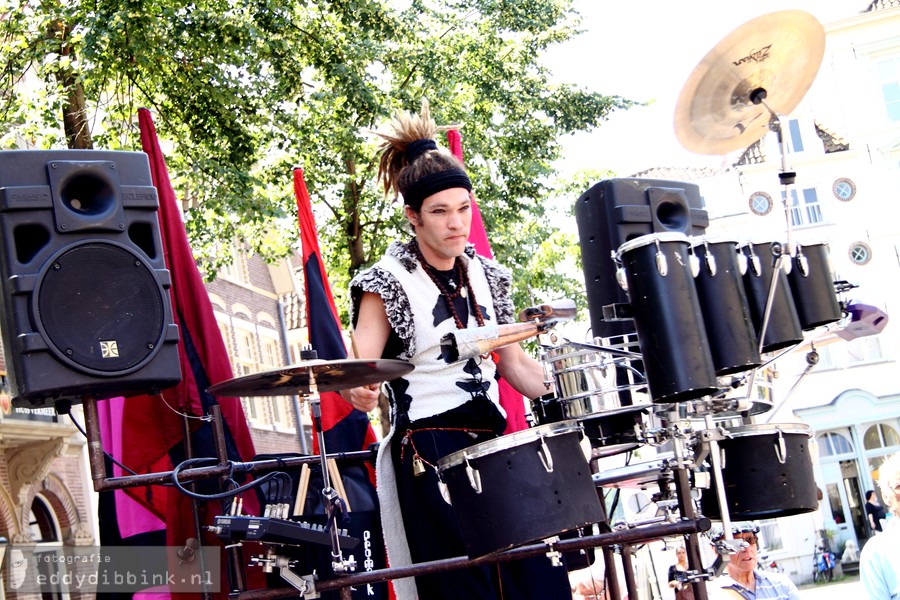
x=587 y=391
x=521 y=488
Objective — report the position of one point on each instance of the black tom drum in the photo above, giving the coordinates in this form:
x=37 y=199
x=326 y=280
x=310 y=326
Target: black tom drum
x=666 y=312
x=812 y=287
x=767 y=472
x=783 y=328
x=723 y=302
x=521 y=487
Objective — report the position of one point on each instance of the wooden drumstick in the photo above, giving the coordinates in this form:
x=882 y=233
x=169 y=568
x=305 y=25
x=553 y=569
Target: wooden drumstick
x=338 y=483
x=302 y=486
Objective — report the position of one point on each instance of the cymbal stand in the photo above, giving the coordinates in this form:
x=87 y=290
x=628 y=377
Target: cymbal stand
x=334 y=505
x=787 y=179
x=727 y=546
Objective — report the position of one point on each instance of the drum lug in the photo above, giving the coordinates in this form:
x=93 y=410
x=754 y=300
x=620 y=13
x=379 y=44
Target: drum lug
x=755 y=265
x=621 y=280
x=742 y=263
x=474 y=477
x=545 y=456
x=710 y=264
x=662 y=265
x=802 y=263
x=780 y=449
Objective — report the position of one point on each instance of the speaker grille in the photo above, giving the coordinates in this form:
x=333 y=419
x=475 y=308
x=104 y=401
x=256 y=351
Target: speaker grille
x=101 y=308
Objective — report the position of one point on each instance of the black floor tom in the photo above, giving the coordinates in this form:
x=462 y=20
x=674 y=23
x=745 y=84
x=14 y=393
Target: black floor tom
x=521 y=488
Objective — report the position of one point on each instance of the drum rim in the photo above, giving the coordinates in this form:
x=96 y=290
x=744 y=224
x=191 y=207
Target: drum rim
x=582 y=367
x=629 y=472
x=547 y=350
x=650 y=238
x=757 y=408
x=603 y=392
x=758 y=428
x=508 y=441
x=711 y=240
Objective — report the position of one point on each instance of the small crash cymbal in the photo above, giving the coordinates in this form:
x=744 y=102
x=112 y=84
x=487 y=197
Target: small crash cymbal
x=774 y=57
x=330 y=376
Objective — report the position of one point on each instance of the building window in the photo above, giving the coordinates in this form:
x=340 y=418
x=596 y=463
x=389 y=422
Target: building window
x=807 y=212
x=889 y=77
x=863 y=350
x=795 y=138
x=760 y=203
x=41 y=522
x=860 y=253
x=844 y=189
x=832 y=442
x=770 y=537
x=880 y=435
x=238 y=269
x=245 y=359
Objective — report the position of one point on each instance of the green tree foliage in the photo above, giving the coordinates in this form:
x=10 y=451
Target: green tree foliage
x=243 y=90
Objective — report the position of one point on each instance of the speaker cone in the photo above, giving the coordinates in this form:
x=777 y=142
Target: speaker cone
x=101 y=308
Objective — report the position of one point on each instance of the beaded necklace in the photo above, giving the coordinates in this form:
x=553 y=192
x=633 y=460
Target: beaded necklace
x=464 y=289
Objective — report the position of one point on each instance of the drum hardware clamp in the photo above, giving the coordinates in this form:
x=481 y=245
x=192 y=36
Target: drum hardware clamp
x=305 y=584
x=270 y=561
x=553 y=554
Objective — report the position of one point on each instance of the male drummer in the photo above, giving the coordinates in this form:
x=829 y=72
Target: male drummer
x=742 y=578
x=401 y=308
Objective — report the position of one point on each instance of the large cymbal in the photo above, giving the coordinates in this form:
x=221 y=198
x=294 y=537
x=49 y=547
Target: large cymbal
x=776 y=55
x=330 y=376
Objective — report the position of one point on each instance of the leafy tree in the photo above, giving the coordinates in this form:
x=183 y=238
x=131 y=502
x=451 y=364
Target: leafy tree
x=245 y=89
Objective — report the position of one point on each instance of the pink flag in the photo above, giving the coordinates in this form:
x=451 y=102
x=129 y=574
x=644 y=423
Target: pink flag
x=511 y=400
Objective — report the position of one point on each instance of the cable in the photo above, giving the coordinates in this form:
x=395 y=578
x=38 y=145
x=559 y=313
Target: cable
x=105 y=453
x=221 y=495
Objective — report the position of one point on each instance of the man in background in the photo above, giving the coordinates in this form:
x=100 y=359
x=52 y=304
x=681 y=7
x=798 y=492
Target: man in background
x=879 y=562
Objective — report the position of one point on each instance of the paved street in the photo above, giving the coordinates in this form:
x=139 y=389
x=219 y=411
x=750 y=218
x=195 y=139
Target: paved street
x=843 y=590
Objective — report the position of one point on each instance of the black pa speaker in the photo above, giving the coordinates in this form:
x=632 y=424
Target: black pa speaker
x=85 y=307
x=615 y=211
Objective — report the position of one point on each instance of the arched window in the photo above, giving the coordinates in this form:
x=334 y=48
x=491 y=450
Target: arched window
x=881 y=435
x=831 y=443
x=42 y=525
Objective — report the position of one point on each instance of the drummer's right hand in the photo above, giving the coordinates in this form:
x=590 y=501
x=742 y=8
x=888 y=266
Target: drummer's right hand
x=364 y=398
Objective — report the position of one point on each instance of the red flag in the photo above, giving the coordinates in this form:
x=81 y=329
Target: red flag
x=346 y=429
x=152 y=435
x=511 y=400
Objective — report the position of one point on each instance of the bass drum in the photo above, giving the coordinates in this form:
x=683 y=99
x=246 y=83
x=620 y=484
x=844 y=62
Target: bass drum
x=521 y=487
x=767 y=472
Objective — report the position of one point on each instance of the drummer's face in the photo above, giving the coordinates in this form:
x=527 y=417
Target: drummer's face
x=442 y=226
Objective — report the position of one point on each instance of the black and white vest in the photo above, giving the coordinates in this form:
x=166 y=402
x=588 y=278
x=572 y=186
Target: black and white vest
x=418 y=312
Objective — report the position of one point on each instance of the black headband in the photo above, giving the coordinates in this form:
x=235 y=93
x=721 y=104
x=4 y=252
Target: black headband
x=415 y=194
x=417 y=148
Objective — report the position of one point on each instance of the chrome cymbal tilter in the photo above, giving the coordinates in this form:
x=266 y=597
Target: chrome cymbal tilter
x=334 y=505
